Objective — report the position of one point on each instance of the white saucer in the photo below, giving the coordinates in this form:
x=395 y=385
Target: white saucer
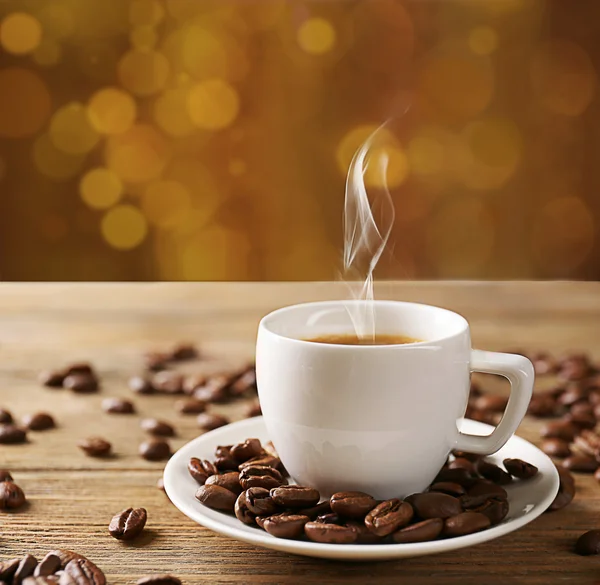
x=528 y=499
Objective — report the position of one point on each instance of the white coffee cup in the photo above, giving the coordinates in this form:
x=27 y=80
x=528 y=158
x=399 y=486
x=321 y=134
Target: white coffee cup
x=376 y=418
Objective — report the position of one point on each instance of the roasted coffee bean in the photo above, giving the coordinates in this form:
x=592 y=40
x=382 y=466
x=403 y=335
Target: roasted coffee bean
x=128 y=523
x=81 y=383
x=315 y=511
x=190 y=406
x=83 y=368
x=67 y=555
x=8 y=568
x=448 y=487
x=208 y=421
x=542 y=405
x=487 y=488
x=227 y=463
x=193 y=381
x=580 y=463
x=462 y=463
x=247 y=450
x=588 y=442
x=52 y=378
x=355 y=505
x=223 y=451
x=12 y=435
x=572 y=394
x=82 y=572
x=118 y=406
x=363 y=534
x=168 y=382
x=260 y=476
x=264 y=459
x=155 y=450
x=295 y=496
x=556 y=448
x=559 y=430
x=434 y=505
x=253 y=410
x=588 y=543
x=329 y=518
x=244 y=383
x=491 y=403
x=566 y=490
x=25 y=568
x=543 y=364
x=260 y=502
x=157 y=427
x=493 y=472
x=466 y=523
x=582 y=409
x=260 y=521
x=420 y=532
x=388 y=517
x=216 y=497
x=141 y=385
x=47 y=566
x=6 y=417
x=581 y=421
x=574 y=367
x=11 y=496
x=156 y=361
x=495 y=509
x=95 y=447
x=285 y=525
x=241 y=510
x=214 y=389
x=40 y=421
x=329 y=533
x=5 y=475
x=158 y=580
x=184 y=351
x=201 y=469
x=160 y=484
x=520 y=469
x=460 y=476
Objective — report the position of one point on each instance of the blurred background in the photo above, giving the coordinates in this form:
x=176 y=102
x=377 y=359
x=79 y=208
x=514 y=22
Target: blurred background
x=210 y=139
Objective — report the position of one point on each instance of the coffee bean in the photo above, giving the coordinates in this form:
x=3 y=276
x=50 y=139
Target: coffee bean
x=216 y=497
x=330 y=518
x=52 y=378
x=434 y=505
x=8 y=568
x=40 y=421
x=226 y=463
x=285 y=525
x=253 y=410
x=190 y=383
x=158 y=580
x=580 y=463
x=494 y=508
x=11 y=496
x=354 y=505
x=315 y=511
x=190 y=406
x=487 y=488
x=460 y=476
x=260 y=501
x=573 y=394
x=118 y=406
x=6 y=417
x=168 y=382
x=83 y=368
x=141 y=385
x=184 y=351
x=201 y=469
x=155 y=450
x=559 y=430
x=160 y=484
x=5 y=475
x=448 y=487
x=420 y=532
x=542 y=405
x=82 y=572
x=466 y=523
x=246 y=382
x=543 y=364
x=247 y=450
x=520 y=469
x=462 y=463
x=128 y=523
x=47 y=566
x=388 y=517
x=95 y=447
x=241 y=511
x=491 y=403
x=574 y=367
x=260 y=476
x=588 y=543
x=493 y=472
x=208 y=421
x=25 y=568
x=155 y=361
x=588 y=442
x=81 y=383
x=12 y=435
x=157 y=427
x=556 y=448
x=223 y=451
x=582 y=409
x=295 y=496
x=566 y=490
x=214 y=389
x=267 y=460
x=363 y=534
x=329 y=533
x=581 y=421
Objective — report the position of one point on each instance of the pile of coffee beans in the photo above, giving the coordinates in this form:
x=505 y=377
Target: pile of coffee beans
x=79 y=377
x=249 y=481
x=11 y=495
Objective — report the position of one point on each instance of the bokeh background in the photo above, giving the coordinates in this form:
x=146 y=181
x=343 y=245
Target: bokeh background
x=210 y=139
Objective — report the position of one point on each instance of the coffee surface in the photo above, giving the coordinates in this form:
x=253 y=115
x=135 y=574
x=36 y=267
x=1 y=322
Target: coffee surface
x=353 y=339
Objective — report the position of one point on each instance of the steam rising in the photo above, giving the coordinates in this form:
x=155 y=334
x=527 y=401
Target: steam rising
x=367 y=227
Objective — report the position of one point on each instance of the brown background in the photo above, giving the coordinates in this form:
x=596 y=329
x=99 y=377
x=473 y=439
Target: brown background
x=223 y=130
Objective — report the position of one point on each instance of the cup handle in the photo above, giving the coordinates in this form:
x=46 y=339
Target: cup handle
x=519 y=371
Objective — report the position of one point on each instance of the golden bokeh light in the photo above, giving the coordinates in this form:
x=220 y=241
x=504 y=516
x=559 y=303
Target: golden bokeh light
x=20 y=33
x=483 y=40
x=261 y=15
x=143 y=38
x=55 y=163
x=563 y=77
x=166 y=203
x=200 y=51
x=171 y=112
x=146 y=12
x=112 y=111
x=57 y=20
x=124 y=227
x=237 y=167
x=182 y=10
x=25 y=103
x=495 y=141
x=426 y=154
x=143 y=73
x=213 y=104
x=100 y=188
x=71 y=129
x=48 y=53
x=316 y=36
x=138 y=155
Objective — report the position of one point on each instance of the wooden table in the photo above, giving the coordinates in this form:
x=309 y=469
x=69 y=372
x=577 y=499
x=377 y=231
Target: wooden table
x=73 y=497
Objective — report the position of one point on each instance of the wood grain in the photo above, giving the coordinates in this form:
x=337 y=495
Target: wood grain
x=72 y=497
